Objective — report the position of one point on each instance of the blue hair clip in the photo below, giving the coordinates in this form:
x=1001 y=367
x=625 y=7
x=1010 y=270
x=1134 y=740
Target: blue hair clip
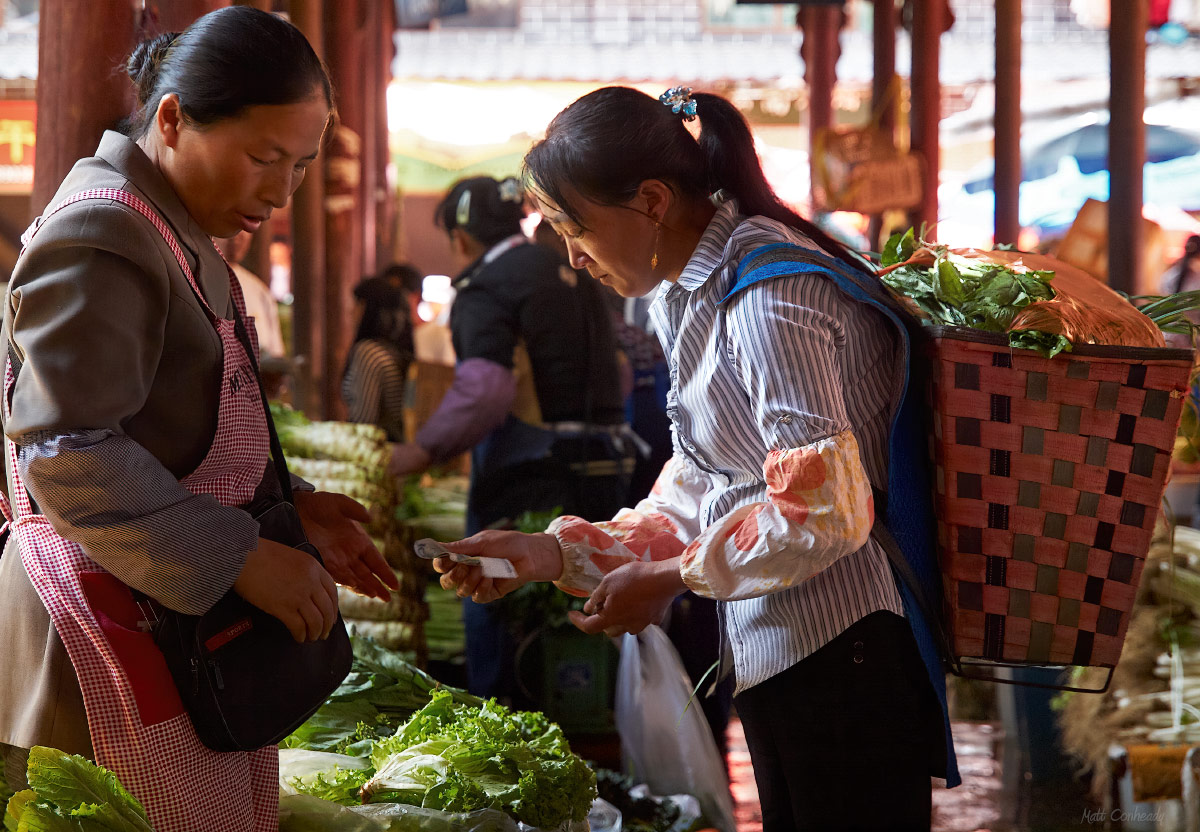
x=679 y=99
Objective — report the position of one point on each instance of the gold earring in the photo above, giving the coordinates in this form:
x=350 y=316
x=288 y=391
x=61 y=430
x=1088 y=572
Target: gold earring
x=657 y=235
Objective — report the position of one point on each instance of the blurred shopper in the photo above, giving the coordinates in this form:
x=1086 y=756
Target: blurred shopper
x=536 y=394
x=786 y=371
x=1184 y=274
x=409 y=280
x=376 y=373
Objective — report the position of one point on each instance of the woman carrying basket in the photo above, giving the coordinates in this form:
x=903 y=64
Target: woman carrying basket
x=788 y=367
x=136 y=429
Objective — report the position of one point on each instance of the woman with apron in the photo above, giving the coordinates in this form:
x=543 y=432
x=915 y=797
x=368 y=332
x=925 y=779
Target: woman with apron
x=788 y=364
x=135 y=429
x=536 y=394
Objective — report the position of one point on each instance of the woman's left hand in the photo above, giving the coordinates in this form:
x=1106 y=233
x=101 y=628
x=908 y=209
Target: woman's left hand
x=332 y=523
x=631 y=598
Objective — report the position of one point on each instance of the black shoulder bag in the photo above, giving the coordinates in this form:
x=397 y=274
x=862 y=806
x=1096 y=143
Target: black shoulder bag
x=244 y=681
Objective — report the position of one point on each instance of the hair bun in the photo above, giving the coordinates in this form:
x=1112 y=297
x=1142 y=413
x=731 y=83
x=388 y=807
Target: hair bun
x=143 y=65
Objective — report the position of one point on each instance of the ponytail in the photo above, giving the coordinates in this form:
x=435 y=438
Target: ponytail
x=733 y=166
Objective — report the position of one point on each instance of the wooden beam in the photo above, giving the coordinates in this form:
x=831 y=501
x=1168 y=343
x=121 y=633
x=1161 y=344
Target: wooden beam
x=885 y=93
x=371 y=58
x=308 y=250
x=819 y=50
x=78 y=97
x=385 y=195
x=1007 y=121
x=346 y=33
x=884 y=96
x=1126 y=143
x=928 y=24
x=177 y=15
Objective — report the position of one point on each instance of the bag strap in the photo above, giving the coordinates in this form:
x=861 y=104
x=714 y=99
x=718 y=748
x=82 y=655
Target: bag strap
x=779 y=259
x=904 y=571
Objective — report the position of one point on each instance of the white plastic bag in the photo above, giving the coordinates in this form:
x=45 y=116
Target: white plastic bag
x=671 y=751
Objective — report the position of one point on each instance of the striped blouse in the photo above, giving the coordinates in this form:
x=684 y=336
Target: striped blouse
x=779 y=409
x=374 y=385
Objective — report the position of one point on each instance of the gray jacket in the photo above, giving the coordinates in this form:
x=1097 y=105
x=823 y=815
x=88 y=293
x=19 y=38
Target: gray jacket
x=115 y=402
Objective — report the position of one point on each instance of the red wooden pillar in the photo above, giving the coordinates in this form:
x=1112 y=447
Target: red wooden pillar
x=177 y=15
x=346 y=29
x=885 y=93
x=308 y=250
x=76 y=103
x=1126 y=144
x=1007 y=121
x=820 y=24
x=385 y=197
x=928 y=25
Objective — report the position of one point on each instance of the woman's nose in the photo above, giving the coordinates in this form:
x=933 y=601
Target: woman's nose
x=575 y=255
x=277 y=190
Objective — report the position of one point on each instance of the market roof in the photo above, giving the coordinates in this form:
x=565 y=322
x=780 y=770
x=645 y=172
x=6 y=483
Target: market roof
x=18 y=48
x=492 y=55
x=511 y=55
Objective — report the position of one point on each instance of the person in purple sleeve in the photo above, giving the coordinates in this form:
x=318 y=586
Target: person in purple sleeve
x=536 y=395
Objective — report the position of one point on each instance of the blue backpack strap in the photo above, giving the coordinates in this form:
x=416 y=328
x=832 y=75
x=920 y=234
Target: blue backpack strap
x=907 y=533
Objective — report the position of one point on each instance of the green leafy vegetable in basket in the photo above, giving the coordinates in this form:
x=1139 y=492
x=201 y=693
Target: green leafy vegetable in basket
x=952 y=290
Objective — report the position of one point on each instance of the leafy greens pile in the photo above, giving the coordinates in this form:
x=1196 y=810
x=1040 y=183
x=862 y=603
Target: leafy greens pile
x=958 y=291
x=70 y=794
x=456 y=753
x=380 y=694
x=459 y=758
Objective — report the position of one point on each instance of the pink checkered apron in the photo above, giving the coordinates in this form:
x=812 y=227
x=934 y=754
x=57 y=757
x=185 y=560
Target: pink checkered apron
x=138 y=727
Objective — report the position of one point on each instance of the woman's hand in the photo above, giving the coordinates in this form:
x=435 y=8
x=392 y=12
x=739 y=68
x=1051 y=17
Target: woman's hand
x=536 y=557
x=631 y=598
x=332 y=523
x=292 y=586
x=408 y=458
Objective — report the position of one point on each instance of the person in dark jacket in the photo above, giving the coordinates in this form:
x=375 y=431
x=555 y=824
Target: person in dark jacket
x=536 y=395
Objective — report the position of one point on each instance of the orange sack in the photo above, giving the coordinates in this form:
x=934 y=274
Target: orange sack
x=1083 y=309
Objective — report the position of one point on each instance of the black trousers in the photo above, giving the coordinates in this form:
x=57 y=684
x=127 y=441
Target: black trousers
x=847 y=738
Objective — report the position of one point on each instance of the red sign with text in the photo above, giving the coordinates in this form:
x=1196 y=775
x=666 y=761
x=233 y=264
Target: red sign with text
x=18 y=123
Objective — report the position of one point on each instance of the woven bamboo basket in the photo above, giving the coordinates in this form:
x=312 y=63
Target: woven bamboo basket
x=1048 y=478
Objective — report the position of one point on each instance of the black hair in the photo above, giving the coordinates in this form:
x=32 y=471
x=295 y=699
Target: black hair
x=386 y=317
x=230 y=59
x=605 y=144
x=405 y=276
x=493 y=210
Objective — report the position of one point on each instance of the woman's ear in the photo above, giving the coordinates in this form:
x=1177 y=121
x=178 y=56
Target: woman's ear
x=168 y=119
x=459 y=242
x=656 y=197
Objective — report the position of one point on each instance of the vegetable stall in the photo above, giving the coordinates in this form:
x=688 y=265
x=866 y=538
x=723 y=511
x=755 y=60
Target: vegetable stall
x=392 y=749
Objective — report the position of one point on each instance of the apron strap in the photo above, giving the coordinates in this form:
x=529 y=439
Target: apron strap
x=136 y=203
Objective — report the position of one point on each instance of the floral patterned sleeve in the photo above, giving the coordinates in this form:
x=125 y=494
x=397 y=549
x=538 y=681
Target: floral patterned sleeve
x=819 y=508
x=657 y=528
